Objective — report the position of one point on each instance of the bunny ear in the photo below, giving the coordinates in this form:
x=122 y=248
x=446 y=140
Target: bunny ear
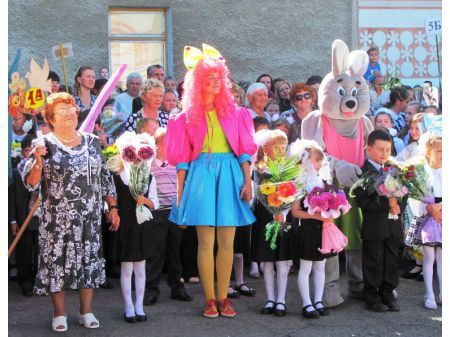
x=212 y=53
x=339 y=62
x=358 y=61
x=192 y=56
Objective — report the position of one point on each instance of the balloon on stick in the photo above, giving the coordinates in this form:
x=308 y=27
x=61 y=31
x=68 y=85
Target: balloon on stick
x=89 y=123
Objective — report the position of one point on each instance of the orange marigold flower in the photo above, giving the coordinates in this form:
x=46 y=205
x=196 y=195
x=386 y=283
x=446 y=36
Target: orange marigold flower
x=287 y=189
x=273 y=200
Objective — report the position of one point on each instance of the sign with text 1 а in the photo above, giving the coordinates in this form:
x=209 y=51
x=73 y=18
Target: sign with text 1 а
x=66 y=50
x=433 y=27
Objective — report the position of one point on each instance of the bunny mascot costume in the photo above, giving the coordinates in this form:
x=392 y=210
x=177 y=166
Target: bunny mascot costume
x=341 y=128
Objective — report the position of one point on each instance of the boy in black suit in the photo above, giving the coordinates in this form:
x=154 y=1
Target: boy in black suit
x=381 y=236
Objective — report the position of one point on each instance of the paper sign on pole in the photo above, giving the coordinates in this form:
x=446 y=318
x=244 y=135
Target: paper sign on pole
x=66 y=50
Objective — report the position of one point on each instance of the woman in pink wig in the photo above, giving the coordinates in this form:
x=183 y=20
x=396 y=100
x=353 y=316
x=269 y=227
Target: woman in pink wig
x=211 y=143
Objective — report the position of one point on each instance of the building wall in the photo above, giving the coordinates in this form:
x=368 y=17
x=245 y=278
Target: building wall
x=397 y=29
x=289 y=39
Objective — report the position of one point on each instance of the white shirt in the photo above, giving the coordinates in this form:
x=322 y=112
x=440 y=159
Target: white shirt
x=124 y=103
x=254 y=114
x=152 y=192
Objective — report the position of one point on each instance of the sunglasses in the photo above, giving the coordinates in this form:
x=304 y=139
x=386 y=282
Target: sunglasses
x=299 y=97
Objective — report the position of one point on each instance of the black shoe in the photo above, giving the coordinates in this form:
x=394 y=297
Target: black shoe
x=322 y=311
x=268 y=310
x=250 y=292
x=141 y=318
x=310 y=314
x=279 y=312
x=107 y=285
x=234 y=294
x=408 y=275
x=377 y=307
x=181 y=296
x=392 y=305
x=131 y=319
x=150 y=299
x=419 y=277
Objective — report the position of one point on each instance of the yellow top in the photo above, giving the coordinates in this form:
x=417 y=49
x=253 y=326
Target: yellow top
x=215 y=138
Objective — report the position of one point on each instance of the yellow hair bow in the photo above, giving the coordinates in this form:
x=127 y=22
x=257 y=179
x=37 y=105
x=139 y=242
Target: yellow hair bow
x=192 y=55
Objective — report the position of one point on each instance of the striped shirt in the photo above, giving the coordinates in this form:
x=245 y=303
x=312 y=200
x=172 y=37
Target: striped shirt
x=166 y=183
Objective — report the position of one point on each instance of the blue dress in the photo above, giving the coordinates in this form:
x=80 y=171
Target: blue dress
x=211 y=194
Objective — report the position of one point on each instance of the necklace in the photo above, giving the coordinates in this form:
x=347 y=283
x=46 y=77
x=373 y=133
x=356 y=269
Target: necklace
x=66 y=141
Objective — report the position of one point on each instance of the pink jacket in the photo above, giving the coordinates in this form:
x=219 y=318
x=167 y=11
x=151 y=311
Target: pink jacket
x=184 y=142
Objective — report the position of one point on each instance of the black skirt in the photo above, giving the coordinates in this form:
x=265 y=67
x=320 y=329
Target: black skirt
x=242 y=240
x=134 y=240
x=309 y=239
x=260 y=248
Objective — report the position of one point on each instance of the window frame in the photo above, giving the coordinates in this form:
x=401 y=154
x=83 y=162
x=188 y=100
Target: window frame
x=165 y=38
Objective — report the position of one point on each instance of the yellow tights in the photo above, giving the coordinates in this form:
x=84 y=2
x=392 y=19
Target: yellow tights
x=224 y=259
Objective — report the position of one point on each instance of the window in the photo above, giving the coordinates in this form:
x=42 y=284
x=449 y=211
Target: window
x=137 y=37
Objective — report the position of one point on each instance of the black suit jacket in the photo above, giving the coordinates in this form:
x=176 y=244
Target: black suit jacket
x=375 y=210
x=18 y=201
x=137 y=105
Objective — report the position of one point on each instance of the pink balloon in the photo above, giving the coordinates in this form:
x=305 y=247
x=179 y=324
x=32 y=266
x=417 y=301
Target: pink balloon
x=89 y=122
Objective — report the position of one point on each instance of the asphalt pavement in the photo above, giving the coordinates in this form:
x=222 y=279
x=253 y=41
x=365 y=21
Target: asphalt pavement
x=32 y=316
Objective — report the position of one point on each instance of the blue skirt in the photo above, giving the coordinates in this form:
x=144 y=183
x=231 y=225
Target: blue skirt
x=211 y=194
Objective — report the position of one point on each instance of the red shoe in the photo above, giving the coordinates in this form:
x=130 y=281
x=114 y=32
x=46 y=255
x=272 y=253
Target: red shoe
x=225 y=308
x=210 y=310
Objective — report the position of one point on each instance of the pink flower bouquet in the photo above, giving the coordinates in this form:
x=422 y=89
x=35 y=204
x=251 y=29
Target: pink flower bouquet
x=330 y=202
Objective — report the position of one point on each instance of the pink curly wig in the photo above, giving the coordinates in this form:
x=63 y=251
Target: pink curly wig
x=193 y=100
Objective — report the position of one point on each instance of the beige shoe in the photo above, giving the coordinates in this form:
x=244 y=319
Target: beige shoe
x=59 y=324
x=88 y=321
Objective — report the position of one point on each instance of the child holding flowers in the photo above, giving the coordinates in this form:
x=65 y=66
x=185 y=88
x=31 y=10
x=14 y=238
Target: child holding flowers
x=271 y=143
x=136 y=190
x=381 y=228
x=426 y=226
x=314 y=213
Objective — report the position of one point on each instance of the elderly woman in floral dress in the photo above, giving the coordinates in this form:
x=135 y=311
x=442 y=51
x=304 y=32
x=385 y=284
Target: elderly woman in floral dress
x=69 y=169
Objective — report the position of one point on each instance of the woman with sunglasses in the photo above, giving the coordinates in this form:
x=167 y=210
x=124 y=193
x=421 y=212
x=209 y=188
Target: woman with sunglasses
x=303 y=99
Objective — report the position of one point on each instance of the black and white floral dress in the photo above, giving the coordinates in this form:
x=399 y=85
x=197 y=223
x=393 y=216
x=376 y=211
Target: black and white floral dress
x=130 y=124
x=73 y=191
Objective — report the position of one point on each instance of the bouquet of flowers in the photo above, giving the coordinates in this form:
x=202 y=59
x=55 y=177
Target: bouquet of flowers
x=331 y=202
x=113 y=122
x=414 y=177
x=110 y=151
x=136 y=153
x=278 y=192
x=387 y=184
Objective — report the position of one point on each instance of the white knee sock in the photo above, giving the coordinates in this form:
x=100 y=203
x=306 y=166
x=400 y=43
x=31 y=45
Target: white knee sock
x=438 y=252
x=139 y=284
x=303 y=282
x=318 y=268
x=254 y=268
x=428 y=261
x=269 y=280
x=238 y=263
x=282 y=278
x=126 y=270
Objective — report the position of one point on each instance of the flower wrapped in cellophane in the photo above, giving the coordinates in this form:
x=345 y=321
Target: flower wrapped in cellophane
x=277 y=191
x=414 y=176
x=136 y=153
x=387 y=183
x=330 y=202
x=113 y=121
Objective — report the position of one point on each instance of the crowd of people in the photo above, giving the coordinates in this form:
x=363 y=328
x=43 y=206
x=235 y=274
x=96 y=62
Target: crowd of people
x=84 y=226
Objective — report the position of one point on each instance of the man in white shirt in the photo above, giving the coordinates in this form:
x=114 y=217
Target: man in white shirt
x=124 y=101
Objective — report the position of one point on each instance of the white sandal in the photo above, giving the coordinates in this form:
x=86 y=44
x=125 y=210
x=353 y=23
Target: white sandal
x=58 y=322
x=88 y=321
